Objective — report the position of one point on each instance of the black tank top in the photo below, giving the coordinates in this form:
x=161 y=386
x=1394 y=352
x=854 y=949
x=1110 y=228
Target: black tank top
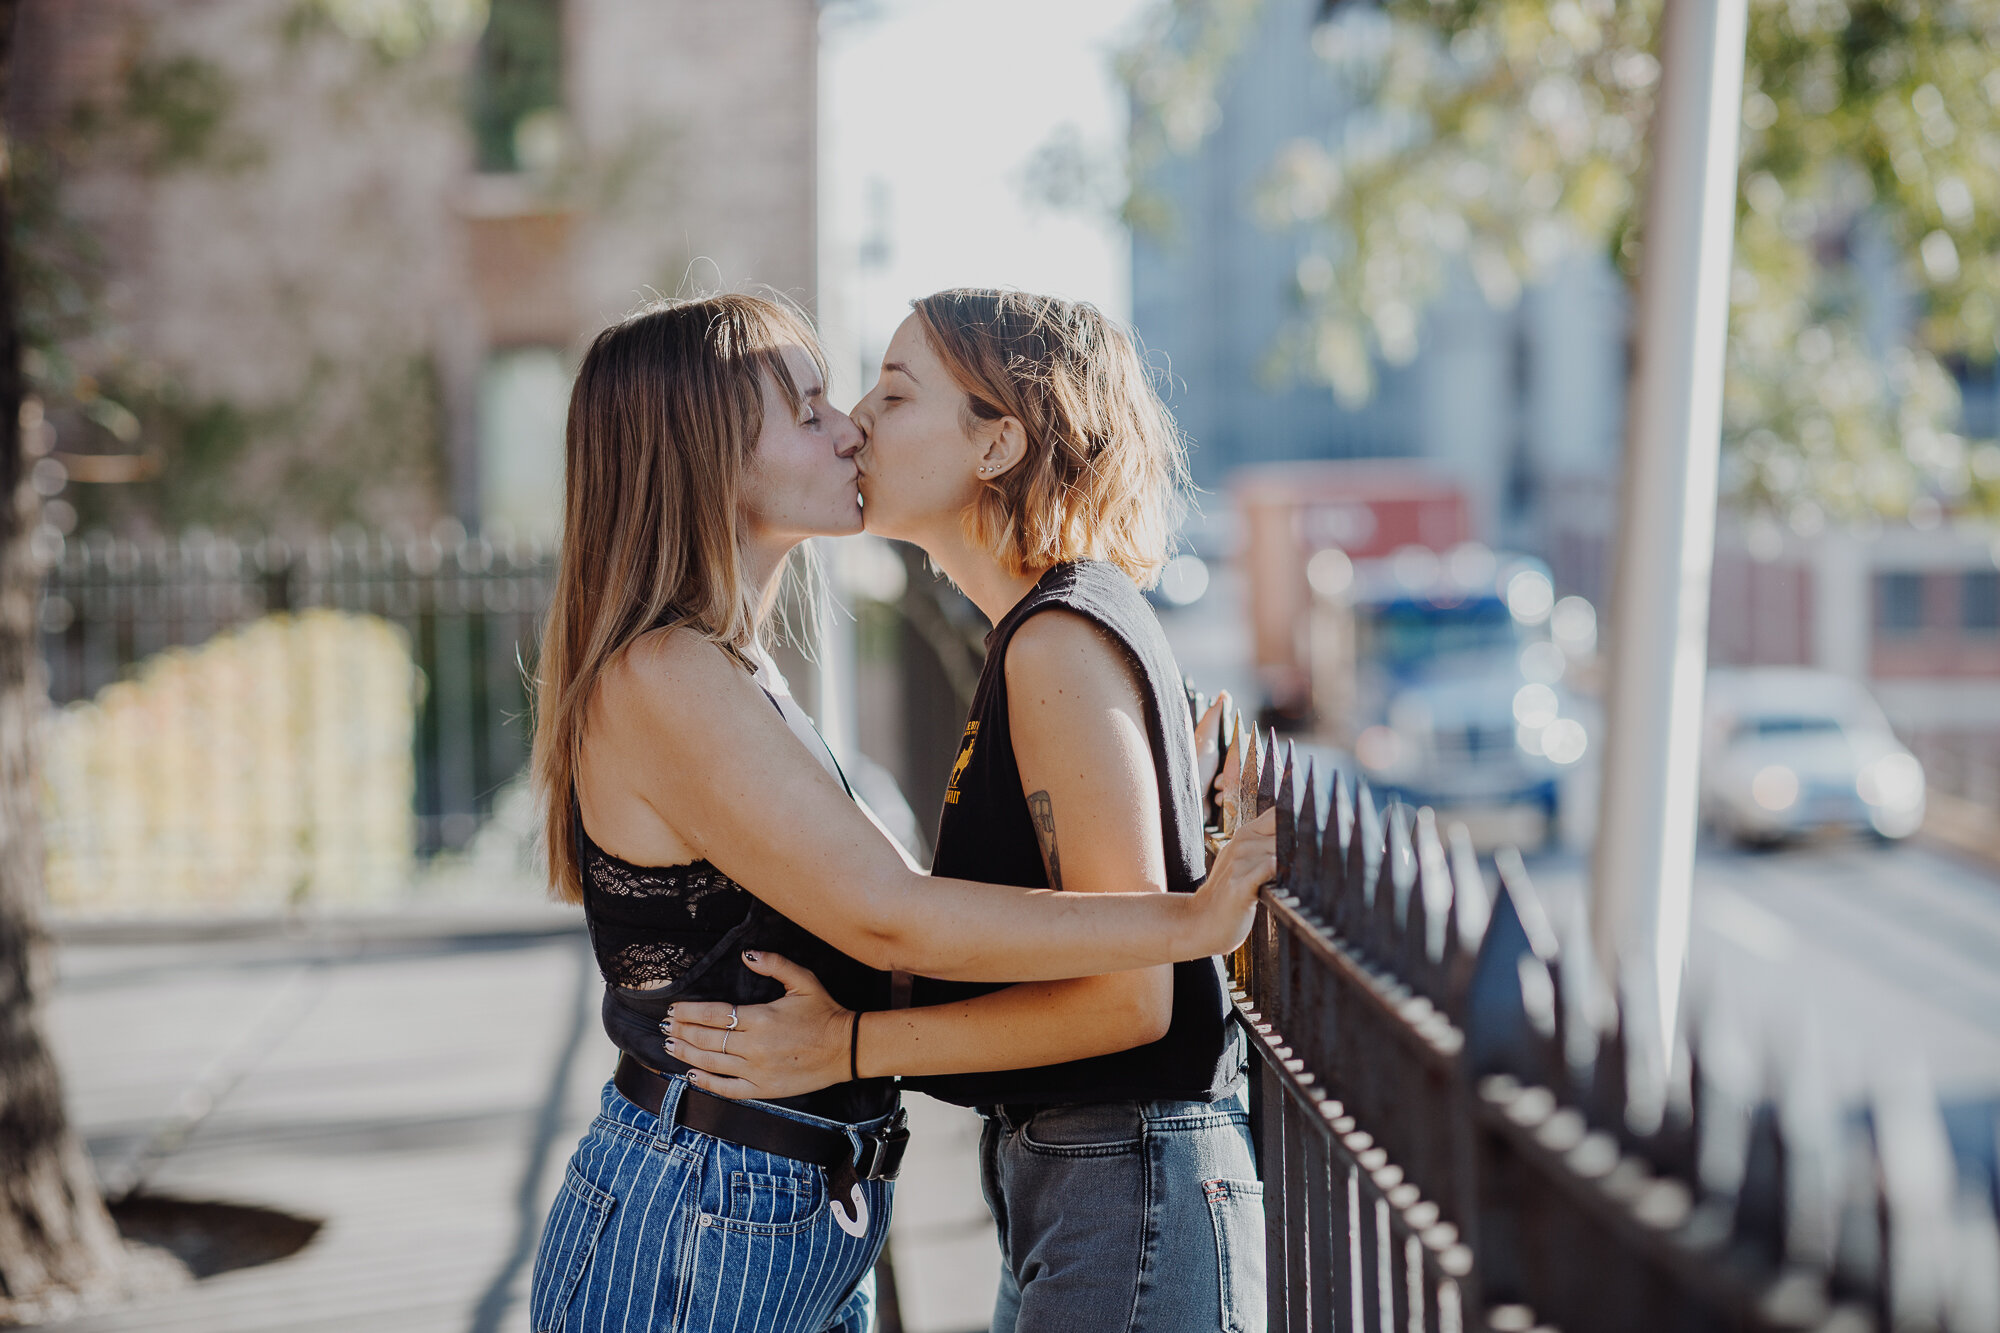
x=668 y=933
x=986 y=833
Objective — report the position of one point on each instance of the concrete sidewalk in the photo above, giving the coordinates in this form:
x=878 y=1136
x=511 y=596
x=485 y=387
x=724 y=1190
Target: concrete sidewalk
x=416 y=1085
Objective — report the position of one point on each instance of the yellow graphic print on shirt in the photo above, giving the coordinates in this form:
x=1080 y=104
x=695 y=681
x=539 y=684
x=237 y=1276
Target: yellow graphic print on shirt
x=964 y=758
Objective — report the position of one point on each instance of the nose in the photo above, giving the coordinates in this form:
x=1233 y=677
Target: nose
x=847 y=436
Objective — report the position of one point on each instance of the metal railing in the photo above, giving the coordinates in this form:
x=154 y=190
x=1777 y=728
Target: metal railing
x=469 y=608
x=1451 y=1135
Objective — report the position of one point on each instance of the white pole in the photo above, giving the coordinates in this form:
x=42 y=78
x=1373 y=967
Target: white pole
x=835 y=695
x=1643 y=869
x=838 y=313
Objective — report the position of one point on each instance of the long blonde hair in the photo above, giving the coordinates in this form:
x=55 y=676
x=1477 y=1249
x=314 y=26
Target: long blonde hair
x=1106 y=475
x=663 y=421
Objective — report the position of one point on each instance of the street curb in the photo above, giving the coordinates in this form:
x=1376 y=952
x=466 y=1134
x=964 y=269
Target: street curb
x=356 y=928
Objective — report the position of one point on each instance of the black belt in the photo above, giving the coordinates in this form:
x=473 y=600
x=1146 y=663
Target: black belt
x=881 y=1154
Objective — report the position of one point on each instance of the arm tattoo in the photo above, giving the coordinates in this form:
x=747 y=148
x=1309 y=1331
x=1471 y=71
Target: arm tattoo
x=1043 y=811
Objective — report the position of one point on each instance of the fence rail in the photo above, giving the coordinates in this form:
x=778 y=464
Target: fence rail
x=469 y=608
x=1452 y=1136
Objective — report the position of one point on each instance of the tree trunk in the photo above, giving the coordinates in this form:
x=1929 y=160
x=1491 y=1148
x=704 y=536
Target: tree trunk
x=57 y=1242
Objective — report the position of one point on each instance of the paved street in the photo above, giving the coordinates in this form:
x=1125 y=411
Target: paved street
x=1864 y=957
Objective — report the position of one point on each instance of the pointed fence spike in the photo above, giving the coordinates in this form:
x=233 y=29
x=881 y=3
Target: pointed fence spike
x=1288 y=838
x=1610 y=1104
x=1246 y=780
x=1333 y=850
x=1510 y=1009
x=1429 y=914
x=1861 y=1232
x=1364 y=854
x=1587 y=1010
x=1339 y=815
x=1666 y=1123
x=1223 y=802
x=1306 y=869
x=1393 y=881
x=1267 y=774
x=1761 y=1225
x=1919 y=1181
x=1471 y=905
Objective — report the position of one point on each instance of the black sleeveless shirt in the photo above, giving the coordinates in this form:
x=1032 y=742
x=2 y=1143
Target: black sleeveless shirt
x=986 y=833
x=668 y=933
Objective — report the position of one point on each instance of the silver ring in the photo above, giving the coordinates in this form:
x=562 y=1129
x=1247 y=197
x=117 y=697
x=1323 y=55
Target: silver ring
x=732 y=1019
x=725 y=1042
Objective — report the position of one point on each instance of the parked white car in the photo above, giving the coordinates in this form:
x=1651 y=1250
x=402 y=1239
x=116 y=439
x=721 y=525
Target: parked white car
x=1789 y=751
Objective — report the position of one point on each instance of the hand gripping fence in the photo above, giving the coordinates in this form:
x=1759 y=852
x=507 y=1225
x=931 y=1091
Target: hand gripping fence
x=1451 y=1135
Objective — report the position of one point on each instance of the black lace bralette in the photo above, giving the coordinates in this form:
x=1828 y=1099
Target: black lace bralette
x=651 y=926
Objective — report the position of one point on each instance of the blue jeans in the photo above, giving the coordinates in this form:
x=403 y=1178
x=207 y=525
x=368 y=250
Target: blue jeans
x=666 y=1230
x=1139 y=1216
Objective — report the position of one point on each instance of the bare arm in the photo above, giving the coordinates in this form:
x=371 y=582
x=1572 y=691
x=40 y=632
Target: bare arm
x=683 y=736
x=800 y=1043
x=1077 y=722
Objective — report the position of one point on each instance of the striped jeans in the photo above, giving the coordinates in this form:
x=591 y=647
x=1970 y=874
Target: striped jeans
x=663 y=1229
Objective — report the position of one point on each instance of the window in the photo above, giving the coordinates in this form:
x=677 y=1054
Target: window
x=523 y=406
x=1899 y=603
x=1979 y=601
x=517 y=86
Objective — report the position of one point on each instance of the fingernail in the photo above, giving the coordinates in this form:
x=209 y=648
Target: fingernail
x=666 y=1027
x=749 y=955
x=670 y=1043
x=670 y=1012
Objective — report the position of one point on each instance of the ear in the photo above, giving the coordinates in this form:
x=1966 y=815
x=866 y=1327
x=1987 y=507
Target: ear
x=1006 y=446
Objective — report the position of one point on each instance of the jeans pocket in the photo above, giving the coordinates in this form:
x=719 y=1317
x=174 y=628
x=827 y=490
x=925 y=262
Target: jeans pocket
x=772 y=1205
x=568 y=1239
x=1089 y=1129
x=1237 y=1209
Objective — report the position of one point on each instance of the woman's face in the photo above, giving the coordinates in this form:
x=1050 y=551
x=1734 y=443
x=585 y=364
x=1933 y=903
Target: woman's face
x=802 y=475
x=919 y=465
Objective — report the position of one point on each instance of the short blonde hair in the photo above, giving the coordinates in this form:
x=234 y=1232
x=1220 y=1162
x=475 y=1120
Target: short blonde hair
x=1106 y=473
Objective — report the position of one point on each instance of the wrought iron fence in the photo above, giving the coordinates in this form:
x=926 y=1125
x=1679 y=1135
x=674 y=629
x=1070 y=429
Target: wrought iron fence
x=469 y=608
x=1451 y=1134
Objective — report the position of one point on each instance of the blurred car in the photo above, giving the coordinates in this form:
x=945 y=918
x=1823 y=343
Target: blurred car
x=1788 y=751
x=1440 y=673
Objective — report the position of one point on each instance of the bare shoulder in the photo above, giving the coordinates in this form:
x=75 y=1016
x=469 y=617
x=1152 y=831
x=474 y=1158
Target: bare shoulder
x=1061 y=654
x=673 y=676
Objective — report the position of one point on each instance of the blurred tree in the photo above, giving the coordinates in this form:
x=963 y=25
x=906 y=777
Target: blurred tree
x=56 y=1238
x=330 y=428
x=1498 y=135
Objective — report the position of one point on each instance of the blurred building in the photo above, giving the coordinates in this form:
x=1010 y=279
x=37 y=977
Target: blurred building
x=337 y=260
x=1514 y=403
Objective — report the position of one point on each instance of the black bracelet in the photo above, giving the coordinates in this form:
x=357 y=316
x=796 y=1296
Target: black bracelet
x=854 y=1047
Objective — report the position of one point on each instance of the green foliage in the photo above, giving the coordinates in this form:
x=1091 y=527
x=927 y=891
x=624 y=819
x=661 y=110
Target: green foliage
x=355 y=436
x=395 y=30
x=182 y=105
x=519 y=74
x=1501 y=134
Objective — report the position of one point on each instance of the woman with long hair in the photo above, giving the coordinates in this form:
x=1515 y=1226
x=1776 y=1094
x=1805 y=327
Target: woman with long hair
x=1018 y=440
x=694 y=813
